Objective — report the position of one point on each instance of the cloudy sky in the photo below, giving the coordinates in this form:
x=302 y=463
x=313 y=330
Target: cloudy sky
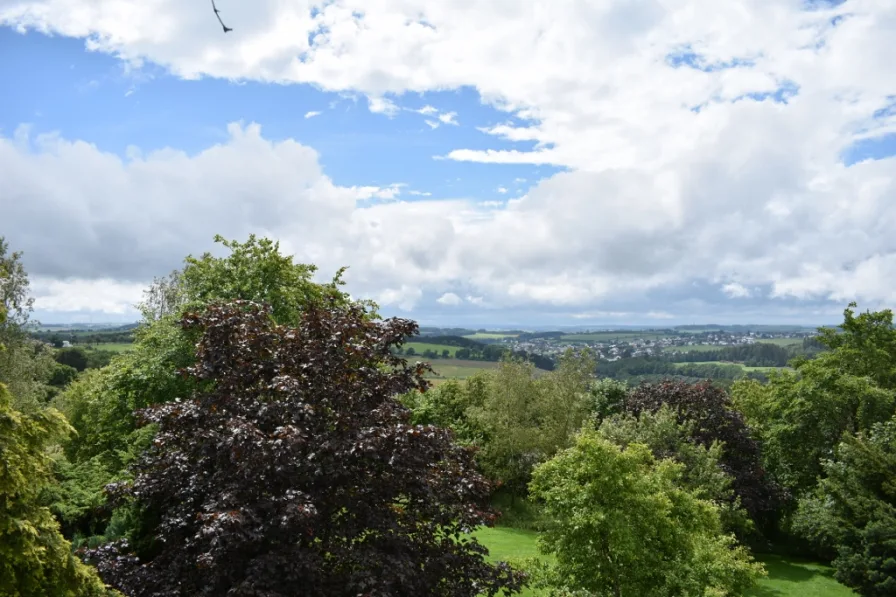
x=474 y=162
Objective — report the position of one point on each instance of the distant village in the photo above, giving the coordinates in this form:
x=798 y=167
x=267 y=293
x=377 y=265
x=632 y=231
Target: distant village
x=651 y=344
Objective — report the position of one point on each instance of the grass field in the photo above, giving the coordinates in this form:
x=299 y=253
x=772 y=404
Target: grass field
x=786 y=577
x=419 y=347
x=458 y=368
x=110 y=346
x=782 y=341
x=694 y=348
x=490 y=336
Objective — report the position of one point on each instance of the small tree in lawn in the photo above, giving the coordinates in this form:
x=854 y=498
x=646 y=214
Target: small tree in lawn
x=625 y=525
x=297 y=474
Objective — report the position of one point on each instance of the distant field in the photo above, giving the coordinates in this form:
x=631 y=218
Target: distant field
x=459 y=369
x=110 y=346
x=490 y=336
x=782 y=341
x=610 y=336
x=695 y=348
x=419 y=347
x=786 y=577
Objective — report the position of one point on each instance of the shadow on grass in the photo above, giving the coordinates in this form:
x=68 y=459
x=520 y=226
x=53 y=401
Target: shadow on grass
x=786 y=575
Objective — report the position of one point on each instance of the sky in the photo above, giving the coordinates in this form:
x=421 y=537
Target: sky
x=487 y=163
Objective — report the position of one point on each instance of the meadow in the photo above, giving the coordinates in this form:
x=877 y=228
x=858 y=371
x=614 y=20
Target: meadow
x=420 y=347
x=459 y=368
x=786 y=577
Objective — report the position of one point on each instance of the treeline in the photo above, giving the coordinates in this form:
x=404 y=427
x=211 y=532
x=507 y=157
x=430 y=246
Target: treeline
x=473 y=350
x=759 y=354
x=638 y=369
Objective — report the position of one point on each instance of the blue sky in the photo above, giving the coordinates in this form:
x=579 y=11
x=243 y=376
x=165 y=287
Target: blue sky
x=628 y=163
x=93 y=96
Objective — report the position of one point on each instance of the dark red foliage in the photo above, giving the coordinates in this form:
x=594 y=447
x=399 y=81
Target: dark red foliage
x=299 y=475
x=709 y=408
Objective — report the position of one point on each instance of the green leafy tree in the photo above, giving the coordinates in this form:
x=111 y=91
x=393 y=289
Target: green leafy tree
x=624 y=525
x=703 y=472
x=607 y=397
x=35 y=559
x=14 y=297
x=864 y=346
x=73 y=357
x=26 y=365
x=713 y=418
x=801 y=417
x=852 y=512
x=101 y=405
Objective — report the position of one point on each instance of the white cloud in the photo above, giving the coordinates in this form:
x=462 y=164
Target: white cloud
x=427 y=110
x=420 y=193
x=735 y=290
x=449 y=298
x=382 y=105
x=312 y=114
x=675 y=174
x=433 y=124
x=449 y=118
x=372 y=192
x=502 y=190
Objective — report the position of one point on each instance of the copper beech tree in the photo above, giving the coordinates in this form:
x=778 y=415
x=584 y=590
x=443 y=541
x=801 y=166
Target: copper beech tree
x=298 y=473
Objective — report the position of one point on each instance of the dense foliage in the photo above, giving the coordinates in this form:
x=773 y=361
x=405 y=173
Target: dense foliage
x=101 y=405
x=853 y=511
x=702 y=472
x=655 y=369
x=758 y=354
x=35 y=559
x=625 y=525
x=296 y=472
x=714 y=419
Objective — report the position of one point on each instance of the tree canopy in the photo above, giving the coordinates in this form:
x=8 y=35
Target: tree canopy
x=296 y=472
x=625 y=526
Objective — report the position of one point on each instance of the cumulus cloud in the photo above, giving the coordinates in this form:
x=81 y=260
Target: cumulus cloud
x=382 y=105
x=448 y=118
x=449 y=298
x=312 y=114
x=701 y=142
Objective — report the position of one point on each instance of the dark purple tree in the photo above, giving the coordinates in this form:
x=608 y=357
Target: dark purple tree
x=298 y=474
x=715 y=419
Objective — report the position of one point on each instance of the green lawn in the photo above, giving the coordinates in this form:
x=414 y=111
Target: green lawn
x=110 y=346
x=419 y=347
x=786 y=577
